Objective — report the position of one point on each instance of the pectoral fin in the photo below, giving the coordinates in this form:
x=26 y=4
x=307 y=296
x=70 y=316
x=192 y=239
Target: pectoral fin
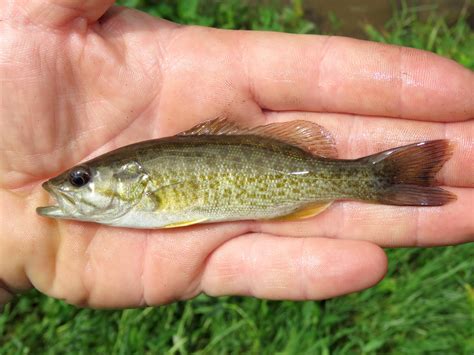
x=306 y=212
x=185 y=223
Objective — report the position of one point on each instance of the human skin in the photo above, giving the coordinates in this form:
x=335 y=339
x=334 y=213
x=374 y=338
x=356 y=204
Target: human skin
x=75 y=84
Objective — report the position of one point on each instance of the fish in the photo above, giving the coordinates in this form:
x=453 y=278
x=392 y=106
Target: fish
x=218 y=171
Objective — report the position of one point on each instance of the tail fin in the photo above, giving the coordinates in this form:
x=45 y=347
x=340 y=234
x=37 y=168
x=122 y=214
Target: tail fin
x=408 y=174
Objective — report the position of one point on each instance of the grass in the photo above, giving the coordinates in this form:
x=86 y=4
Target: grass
x=424 y=305
x=230 y=14
x=453 y=40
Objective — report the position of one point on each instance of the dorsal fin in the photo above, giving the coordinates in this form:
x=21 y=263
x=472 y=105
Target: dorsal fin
x=220 y=125
x=306 y=135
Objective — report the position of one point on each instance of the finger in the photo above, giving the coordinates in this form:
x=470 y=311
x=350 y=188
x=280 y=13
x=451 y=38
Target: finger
x=58 y=13
x=335 y=74
x=130 y=268
x=92 y=265
x=272 y=267
x=359 y=136
x=388 y=226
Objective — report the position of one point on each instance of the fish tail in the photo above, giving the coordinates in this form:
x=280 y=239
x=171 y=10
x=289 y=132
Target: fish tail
x=407 y=174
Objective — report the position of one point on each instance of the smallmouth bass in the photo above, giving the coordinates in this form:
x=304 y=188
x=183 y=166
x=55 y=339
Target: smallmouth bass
x=218 y=171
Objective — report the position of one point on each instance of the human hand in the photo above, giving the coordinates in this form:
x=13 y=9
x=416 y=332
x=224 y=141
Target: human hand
x=75 y=85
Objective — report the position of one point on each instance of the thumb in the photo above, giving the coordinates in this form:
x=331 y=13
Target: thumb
x=58 y=13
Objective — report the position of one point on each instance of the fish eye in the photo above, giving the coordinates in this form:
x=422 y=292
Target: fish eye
x=79 y=176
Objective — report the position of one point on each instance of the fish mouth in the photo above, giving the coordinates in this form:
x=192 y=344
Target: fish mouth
x=62 y=199
x=51 y=211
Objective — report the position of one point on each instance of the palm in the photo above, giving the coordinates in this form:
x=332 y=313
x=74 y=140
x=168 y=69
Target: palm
x=130 y=78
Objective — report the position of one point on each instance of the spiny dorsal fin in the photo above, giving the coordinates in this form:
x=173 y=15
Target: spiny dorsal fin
x=217 y=126
x=306 y=135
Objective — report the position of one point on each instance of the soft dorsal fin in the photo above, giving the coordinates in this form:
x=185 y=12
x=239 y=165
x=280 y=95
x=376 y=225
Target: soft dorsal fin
x=306 y=135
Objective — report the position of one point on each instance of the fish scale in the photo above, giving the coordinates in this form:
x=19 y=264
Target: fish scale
x=234 y=173
x=218 y=171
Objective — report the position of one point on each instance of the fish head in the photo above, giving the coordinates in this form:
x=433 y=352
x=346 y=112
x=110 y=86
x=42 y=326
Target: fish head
x=94 y=192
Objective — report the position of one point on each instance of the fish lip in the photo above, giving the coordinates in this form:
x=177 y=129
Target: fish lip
x=57 y=210
x=50 y=211
x=45 y=185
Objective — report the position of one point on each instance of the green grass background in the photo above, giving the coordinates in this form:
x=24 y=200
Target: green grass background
x=424 y=305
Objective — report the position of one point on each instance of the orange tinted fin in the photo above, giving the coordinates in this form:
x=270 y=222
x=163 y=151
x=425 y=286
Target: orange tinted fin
x=409 y=174
x=305 y=212
x=306 y=135
x=184 y=224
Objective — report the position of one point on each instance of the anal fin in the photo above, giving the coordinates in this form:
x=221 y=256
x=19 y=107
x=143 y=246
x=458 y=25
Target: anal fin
x=305 y=212
x=185 y=223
